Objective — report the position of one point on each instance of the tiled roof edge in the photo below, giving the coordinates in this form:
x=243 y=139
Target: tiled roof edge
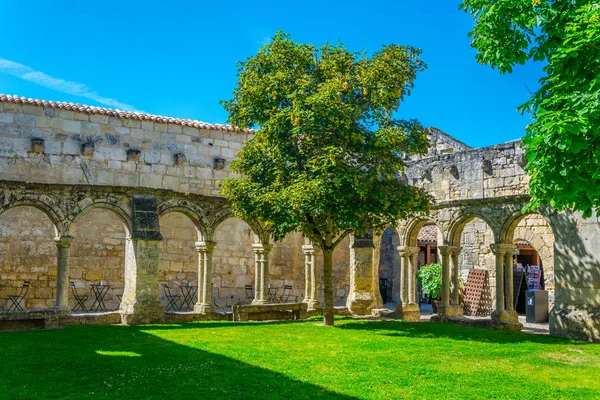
x=83 y=108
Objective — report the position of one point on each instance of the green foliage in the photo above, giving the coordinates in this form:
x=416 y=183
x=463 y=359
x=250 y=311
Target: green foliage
x=327 y=154
x=563 y=141
x=430 y=278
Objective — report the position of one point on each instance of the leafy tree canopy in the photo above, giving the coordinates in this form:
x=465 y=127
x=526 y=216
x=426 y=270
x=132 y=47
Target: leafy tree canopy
x=563 y=141
x=327 y=154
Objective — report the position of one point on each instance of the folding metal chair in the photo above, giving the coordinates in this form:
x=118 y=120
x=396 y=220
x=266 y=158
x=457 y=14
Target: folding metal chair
x=16 y=299
x=172 y=299
x=287 y=292
x=79 y=298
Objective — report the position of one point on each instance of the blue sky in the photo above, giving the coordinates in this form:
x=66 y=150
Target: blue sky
x=178 y=58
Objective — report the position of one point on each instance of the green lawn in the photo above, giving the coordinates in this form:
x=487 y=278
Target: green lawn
x=294 y=360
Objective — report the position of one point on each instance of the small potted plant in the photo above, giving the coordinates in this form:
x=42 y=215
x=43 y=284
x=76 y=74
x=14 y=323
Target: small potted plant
x=430 y=279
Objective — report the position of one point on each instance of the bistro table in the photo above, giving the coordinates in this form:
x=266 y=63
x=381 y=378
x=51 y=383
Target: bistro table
x=99 y=290
x=189 y=293
x=273 y=294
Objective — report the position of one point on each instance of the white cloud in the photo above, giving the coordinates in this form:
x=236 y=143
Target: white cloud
x=74 y=88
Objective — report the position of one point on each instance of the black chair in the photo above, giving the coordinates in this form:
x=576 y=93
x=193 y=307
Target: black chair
x=172 y=299
x=16 y=299
x=287 y=292
x=249 y=292
x=79 y=298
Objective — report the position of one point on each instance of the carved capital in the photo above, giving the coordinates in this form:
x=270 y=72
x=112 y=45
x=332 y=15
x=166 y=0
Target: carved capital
x=206 y=246
x=502 y=248
x=63 y=242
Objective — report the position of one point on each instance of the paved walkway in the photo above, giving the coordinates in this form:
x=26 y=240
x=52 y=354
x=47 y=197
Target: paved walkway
x=534 y=329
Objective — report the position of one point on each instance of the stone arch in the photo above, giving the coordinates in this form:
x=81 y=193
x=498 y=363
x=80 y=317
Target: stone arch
x=413 y=228
x=202 y=232
x=28 y=253
x=123 y=213
x=48 y=210
x=540 y=237
x=457 y=226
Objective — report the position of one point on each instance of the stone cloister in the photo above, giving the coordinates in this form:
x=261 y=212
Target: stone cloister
x=91 y=194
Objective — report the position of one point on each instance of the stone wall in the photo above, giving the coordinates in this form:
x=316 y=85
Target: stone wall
x=81 y=148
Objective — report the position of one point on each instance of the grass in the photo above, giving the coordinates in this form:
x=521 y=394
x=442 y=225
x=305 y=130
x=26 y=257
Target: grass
x=294 y=360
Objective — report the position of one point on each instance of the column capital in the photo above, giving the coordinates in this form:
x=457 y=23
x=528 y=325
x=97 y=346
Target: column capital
x=502 y=248
x=262 y=248
x=447 y=250
x=310 y=249
x=456 y=250
x=63 y=241
x=409 y=250
x=205 y=246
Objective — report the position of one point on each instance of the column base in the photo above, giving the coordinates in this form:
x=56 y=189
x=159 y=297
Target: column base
x=258 y=302
x=314 y=305
x=361 y=303
x=203 y=308
x=451 y=311
x=408 y=312
x=63 y=311
x=142 y=312
x=505 y=316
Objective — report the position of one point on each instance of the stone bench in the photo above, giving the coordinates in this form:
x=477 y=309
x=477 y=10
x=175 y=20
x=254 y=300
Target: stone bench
x=29 y=319
x=264 y=312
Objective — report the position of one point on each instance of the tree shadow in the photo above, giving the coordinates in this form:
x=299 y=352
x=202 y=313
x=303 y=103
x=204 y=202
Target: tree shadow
x=434 y=330
x=127 y=362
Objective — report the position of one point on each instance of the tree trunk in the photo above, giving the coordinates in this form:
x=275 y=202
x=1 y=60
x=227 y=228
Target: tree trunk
x=328 y=289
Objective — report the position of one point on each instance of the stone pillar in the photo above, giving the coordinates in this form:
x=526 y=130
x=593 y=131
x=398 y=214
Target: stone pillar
x=63 y=246
x=141 y=302
x=508 y=281
x=311 y=290
x=444 y=308
x=205 y=251
x=403 y=277
x=363 y=296
x=455 y=276
x=500 y=314
x=408 y=308
x=261 y=272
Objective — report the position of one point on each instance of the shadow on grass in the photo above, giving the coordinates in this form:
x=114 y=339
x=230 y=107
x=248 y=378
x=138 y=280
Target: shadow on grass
x=396 y=328
x=126 y=362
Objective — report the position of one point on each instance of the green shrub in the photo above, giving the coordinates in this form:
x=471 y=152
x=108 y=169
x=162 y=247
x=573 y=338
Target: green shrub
x=430 y=278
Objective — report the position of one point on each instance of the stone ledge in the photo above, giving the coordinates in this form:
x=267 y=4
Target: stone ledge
x=31 y=319
x=179 y=317
x=478 y=323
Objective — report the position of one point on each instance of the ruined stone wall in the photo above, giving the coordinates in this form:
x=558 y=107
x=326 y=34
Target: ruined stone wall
x=474 y=174
x=64 y=161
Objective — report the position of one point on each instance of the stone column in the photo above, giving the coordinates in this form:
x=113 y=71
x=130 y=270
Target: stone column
x=141 y=302
x=403 y=277
x=363 y=296
x=455 y=276
x=311 y=290
x=261 y=272
x=445 y=251
x=504 y=313
x=205 y=251
x=409 y=309
x=508 y=281
x=499 y=252
x=63 y=246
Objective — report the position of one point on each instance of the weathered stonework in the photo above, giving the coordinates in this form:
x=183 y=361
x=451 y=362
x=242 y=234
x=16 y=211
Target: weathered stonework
x=71 y=172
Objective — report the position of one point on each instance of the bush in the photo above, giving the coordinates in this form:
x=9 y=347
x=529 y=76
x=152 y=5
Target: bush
x=430 y=278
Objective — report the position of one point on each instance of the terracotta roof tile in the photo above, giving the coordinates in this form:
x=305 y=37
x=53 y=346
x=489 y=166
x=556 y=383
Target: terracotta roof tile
x=428 y=234
x=82 y=108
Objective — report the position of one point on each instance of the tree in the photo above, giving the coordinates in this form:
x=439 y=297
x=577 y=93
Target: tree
x=563 y=141
x=327 y=155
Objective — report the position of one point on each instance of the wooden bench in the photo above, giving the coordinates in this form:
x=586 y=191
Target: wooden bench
x=264 y=312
